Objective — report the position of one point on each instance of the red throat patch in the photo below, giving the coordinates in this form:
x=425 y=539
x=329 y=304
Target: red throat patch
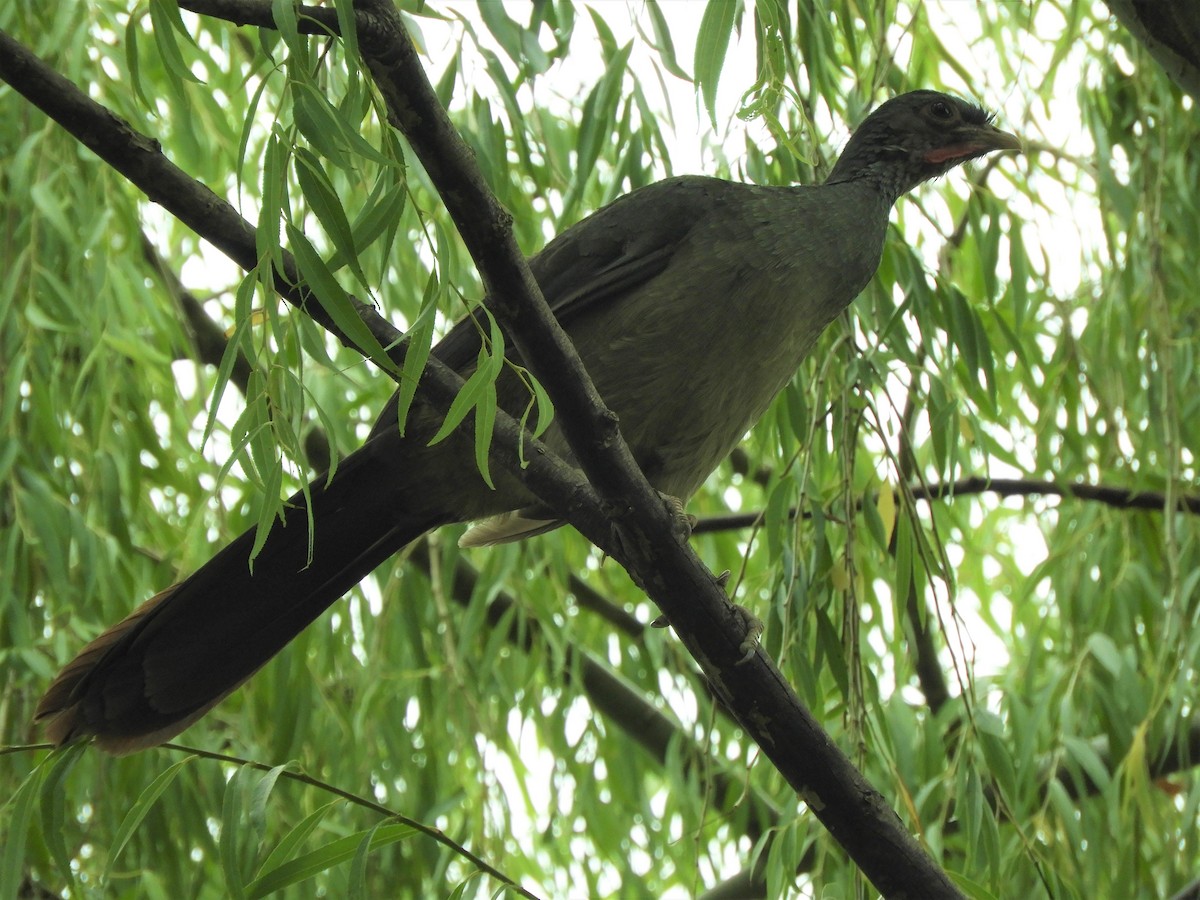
x=957 y=151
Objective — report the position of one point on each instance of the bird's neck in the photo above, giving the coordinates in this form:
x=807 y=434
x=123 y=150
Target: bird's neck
x=871 y=191
x=881 y=176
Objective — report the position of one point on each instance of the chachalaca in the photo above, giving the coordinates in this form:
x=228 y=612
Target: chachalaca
x=692 y=303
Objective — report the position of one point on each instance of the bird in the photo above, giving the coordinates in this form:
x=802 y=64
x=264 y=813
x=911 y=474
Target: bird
x=691 y=301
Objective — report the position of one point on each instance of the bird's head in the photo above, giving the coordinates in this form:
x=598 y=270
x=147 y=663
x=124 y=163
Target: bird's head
x=918 y=136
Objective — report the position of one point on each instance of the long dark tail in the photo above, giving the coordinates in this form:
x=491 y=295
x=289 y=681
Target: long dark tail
x=183 y=651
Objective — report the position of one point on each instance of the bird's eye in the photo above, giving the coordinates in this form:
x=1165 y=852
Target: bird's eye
x=941 y=110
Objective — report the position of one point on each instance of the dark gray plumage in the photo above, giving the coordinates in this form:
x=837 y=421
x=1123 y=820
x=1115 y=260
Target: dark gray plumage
x=691 y=301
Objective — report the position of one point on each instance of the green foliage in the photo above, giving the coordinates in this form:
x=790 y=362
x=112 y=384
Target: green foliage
x=1032 y=319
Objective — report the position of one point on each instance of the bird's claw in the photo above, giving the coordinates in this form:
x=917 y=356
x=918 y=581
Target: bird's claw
x=682 y=523
x=754 y=628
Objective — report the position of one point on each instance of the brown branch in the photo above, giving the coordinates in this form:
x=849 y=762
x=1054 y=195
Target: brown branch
x=319 y=20
x=930 y=676
x=1119 y=498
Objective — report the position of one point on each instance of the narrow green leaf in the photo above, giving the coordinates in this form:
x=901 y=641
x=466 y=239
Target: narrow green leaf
x=903 y=571
x=334 y=300
x=1018 y=263
x=138 y=812
x=326 y=128
x=293 y=839
x=379 y=214
x=969 y=803
x=133 y=30
x=519 y=43
x=874 y=520
x=274 y=201
x=1104 y=649
x=287 y=24
x=608 y=41
x=662 y=40
x=993 y=742
x=167 y=24
x=19 y=815
x=53 y=804
x=539 y=403
x=231 y=833
x=348 y=25
x=712 y=42
x=244 y=301
x=261 y=795
x=971 y=888
x=445 y=86
x=319 y=124
x=318 y=190
x=416 y=353
x=472 y=393
x=269 y=500
x=479 y=389
x=358 y=866
x=321 y=860
x=485 y=424
x=250 y=125
x=961 y=328
x=599 y=112
x=1083 y=754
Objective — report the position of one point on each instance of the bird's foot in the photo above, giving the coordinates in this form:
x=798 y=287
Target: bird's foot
x=754 y=628
x=751 y=624
x=681 y=523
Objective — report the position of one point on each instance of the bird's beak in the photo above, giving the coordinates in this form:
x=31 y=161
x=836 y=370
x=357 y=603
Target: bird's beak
x=972 y=141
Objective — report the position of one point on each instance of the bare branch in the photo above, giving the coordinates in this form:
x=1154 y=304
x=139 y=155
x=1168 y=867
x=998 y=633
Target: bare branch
x=1119 y=498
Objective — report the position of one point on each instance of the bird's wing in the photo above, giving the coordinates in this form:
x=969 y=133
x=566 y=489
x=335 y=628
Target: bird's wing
x=607 y=255
x=597 y=261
